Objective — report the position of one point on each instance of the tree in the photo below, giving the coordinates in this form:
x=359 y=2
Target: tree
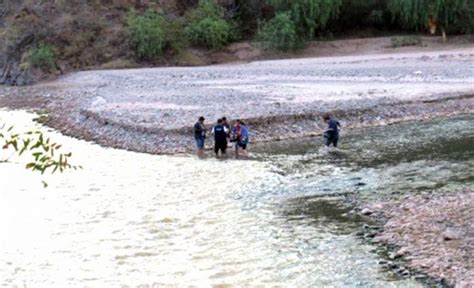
x=279 y=33
x=309 y=15
x=147 y=34
x=208 y=27
x=416 y=14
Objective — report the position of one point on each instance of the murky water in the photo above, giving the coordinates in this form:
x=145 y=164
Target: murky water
x=132 y=220
x=434 y=156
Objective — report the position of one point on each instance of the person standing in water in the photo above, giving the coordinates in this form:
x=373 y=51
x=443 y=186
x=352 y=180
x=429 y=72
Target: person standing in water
x=227 y=126
x=331 y=135
x=242 y=139
x=220 y=138
x=200 y=136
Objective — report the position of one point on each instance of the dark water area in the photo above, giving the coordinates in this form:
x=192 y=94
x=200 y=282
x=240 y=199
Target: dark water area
x=371 y=164
x=431 y=156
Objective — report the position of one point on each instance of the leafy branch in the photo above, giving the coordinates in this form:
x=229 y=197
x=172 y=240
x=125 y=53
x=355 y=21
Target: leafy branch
x=44 y=155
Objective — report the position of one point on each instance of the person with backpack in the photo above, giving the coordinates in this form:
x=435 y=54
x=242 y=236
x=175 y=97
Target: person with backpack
x=220 y=138
x=200 y=136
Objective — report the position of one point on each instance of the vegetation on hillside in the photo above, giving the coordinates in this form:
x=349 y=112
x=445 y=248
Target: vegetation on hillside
x=279 y=33
x=309 y=15
x=207 y=26
x=147 y=34
x=415 y=14
x=43 y=57
x=56 y=36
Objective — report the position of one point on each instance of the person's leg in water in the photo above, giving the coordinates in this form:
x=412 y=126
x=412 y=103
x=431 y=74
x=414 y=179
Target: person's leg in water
x=222 y=147
x=216 y=149
x=243 y=149
x=224 y=150
x=237 y=149
x=335 y=139
x=200 y=146
x=327 y=139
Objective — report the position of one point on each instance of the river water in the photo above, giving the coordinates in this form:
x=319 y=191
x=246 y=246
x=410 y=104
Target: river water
x=136 y=220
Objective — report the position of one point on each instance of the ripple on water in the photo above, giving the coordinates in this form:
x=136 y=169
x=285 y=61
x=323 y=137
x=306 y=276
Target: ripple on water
x=134 y=219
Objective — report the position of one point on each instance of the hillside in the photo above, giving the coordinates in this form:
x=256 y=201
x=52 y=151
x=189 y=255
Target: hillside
x=41 y=40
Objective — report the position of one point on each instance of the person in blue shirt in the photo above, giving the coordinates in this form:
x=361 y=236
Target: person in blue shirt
x=242 y=138
x=331 y=135
x=200 y=136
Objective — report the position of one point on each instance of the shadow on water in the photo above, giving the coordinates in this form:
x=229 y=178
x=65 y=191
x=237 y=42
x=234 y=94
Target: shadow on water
x=328 y=212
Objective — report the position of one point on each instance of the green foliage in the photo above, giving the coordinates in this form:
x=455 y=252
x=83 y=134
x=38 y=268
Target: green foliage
x=376 y=18
x=208 y=27
x=206 y=9
x=308 y=15
x=414 y=14
x=43 y=153
x=211 y=33
x=403 y=41
x=465 y=24
x=147 y=34
x=279 y=33
x=43 y=57
x=360 y=13
x=248 y=14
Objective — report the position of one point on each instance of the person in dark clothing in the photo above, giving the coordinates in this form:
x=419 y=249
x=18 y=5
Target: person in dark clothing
x=331 y=135
x=227 y=126
x=220 y=138
x=200 y=136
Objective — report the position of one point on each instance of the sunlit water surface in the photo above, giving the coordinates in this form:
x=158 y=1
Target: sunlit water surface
x=131 y=220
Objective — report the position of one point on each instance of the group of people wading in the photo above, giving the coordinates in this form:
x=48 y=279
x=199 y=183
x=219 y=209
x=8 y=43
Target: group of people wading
x=223 y=134
x=239 y=133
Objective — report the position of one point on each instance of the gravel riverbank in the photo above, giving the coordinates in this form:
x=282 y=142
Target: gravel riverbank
x=431 y=234
x=153 y=110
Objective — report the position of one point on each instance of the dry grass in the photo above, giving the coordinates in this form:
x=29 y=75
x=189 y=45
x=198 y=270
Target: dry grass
x=120 y=64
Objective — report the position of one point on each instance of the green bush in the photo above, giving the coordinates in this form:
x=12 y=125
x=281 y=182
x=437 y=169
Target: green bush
x=207 y=26
x=147 y=34
x=309 y=16
x=279 y=33
x=212 y=33
x=43 y=57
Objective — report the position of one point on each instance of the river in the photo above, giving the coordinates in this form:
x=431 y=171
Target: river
x=137 y=220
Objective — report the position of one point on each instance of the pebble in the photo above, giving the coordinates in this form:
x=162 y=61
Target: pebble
x=366 y=211
x=417 y=228
x=452 y=234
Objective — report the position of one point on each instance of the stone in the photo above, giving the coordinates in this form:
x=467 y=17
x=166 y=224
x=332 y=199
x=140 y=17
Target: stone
x=98 y=101
x=401 y=252
x=452 y=234
x=366 y=211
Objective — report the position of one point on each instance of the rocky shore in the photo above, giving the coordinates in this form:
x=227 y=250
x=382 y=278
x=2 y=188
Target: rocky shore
x=153 y=110
x=432 y=236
